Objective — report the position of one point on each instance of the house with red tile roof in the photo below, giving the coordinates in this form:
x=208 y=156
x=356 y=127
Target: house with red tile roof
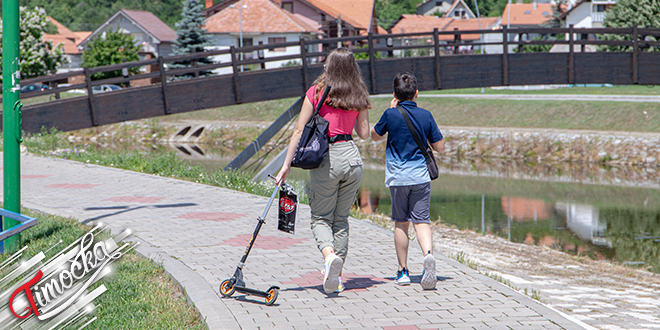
x=153 y=35
x=259 y=22
x=356 y=17
x=459 y=9
x=70 y=41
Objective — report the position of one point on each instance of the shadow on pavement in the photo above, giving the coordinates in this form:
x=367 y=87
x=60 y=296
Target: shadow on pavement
x=125 y=209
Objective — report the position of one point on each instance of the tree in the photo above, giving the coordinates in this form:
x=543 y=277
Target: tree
x=112 y=47
x=558 y=9
x=38 y=57
x=627 y=13
x=191 y=38
x=88 y=15
x=389 y=11
x=488 y=8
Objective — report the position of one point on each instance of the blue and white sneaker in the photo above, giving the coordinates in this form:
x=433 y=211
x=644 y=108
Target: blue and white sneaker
x=428 y=277
x=402 y=277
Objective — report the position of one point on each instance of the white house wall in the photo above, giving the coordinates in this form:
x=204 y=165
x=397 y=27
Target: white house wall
x=225 y=40
x=580 y=16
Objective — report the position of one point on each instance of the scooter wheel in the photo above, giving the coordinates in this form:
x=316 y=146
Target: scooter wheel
x=272 y=296
x=225 y=289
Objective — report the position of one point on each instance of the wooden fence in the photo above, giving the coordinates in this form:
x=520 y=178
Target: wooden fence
x=436 y=63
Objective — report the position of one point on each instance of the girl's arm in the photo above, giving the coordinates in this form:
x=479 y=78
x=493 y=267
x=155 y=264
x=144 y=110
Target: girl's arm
x=305 y=113
x=362 y=124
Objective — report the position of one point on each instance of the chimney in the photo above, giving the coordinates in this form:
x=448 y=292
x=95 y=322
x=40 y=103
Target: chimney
x=534 y=7
x=208 y=4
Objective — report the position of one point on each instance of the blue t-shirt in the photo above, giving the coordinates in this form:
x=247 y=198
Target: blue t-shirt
x=405 y=164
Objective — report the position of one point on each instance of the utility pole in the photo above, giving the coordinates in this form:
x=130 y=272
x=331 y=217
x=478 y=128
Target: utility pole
x=339 y=30
x=11 y=119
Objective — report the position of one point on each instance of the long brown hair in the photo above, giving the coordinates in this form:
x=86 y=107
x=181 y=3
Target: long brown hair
x=342 y=73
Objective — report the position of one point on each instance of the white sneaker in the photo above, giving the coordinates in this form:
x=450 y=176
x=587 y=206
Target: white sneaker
x=428 y=278
x=332 y=270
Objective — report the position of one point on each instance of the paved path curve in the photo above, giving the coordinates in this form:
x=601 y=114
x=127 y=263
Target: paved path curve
x=199 y=233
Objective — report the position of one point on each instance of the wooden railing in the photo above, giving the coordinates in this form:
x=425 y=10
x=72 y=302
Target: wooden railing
x=434 y=57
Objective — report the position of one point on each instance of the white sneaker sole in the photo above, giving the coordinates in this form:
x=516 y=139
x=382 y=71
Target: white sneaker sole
x=331 y=280
x=402 y=283
x=429 y=280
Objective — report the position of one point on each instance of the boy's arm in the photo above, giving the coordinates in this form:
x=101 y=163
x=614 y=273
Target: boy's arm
x=439 y=146
x=375 y=136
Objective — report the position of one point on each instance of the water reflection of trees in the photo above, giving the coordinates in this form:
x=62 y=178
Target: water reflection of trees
x=635 y=235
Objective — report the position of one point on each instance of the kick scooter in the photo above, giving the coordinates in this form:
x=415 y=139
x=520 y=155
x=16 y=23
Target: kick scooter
x=236 y=283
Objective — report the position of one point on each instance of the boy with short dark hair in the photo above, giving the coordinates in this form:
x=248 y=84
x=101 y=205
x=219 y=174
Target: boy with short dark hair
x=407 y=174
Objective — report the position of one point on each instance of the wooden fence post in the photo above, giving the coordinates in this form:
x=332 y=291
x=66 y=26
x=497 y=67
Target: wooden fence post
x=163 y=84
x=372 y=70
x=505 y=56
x=635 y=71
x=237 y=86
x=303 y=57
x=193 y=63
x=457 y=39
x=571 y=54
x=436 y=64
x=90 y=96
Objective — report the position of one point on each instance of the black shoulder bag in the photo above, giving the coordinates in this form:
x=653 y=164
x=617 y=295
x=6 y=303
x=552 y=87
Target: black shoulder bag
x=313 y=145
x=427 y=152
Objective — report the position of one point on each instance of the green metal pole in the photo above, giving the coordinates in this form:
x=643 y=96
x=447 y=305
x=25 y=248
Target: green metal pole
x=11 y=118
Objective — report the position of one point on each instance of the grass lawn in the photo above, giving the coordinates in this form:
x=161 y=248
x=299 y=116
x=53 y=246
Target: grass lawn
x=613 y=90
x=140 y=295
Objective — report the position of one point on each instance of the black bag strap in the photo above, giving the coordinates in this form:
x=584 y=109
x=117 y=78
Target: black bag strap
x=414 y=133
x=320 y=104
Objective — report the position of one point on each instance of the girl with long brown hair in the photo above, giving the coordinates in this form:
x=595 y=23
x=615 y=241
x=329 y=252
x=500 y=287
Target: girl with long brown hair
x=334 y=184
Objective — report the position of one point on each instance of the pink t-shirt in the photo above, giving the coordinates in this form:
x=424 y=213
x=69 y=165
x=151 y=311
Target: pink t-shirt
x=341 y=121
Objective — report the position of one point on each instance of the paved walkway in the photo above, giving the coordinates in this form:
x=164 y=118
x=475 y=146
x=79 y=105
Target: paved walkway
x=199 y=233
x=544 y=97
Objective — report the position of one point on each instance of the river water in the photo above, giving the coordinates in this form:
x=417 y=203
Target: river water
x=605 y=213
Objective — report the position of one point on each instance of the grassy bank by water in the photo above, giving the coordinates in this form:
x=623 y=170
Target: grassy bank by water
x=139 y=294
x=553 y=114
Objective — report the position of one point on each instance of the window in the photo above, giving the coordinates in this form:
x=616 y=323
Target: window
x=545 y=13
x=460 y=13
x=600 y=8
x=288 y=6
x=527 y=12
x=277 y=40
x=438 y=3
x=322 y=17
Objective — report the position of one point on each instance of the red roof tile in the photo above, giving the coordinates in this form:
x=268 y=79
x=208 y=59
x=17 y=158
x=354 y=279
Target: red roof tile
x=469 y=24
x=152 y=24
x=65 y=36
x=525 y=14
x=420 y=23
x=357 y=13
x=260 y=16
